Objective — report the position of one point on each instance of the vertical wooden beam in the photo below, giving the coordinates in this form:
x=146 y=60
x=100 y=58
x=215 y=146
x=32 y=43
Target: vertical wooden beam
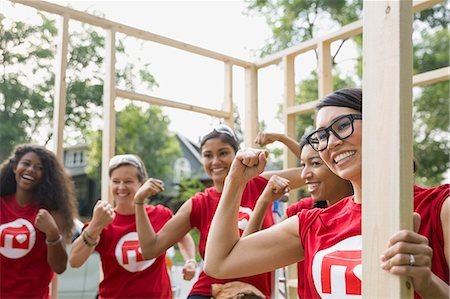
x=109 y=113
x=288 y=67
x=290 y=159
x=59 y=102
x=387 y=140
x=251 y=106
x=325 y=69
x=228 y=93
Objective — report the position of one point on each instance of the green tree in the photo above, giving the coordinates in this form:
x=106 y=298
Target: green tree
x=295 y=21
x=23 y=108
x=27 y=52
x=143 y=132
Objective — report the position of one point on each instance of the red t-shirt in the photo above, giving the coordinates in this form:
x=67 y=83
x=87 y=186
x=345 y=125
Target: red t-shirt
x=303 y=204
x=24 y=271
x=428 y=203
x=332 y=242
x=126 y=273
x=204 y=205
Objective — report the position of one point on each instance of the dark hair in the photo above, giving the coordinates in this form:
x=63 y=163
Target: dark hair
x=345 y=97
x=225 y=134
x=303 y=140
x=55 y=192
x=321 y=204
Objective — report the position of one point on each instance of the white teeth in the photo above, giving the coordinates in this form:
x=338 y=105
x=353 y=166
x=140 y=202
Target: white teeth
x=27 y=177
x=312 y=186
x=343 y=156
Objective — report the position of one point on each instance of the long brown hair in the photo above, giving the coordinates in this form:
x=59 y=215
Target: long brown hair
x=55 y=192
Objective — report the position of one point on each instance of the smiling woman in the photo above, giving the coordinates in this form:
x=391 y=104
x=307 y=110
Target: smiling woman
x=112 y=234
x=37 y=208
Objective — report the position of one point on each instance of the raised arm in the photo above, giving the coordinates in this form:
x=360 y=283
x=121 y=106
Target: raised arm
x=152 y=244
x=228 y=255
x=264 y=138
x=85 y=244
x=275 y=188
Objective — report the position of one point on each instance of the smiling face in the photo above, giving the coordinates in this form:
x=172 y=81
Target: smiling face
x=322 y=183
x=124 y=183
x=217 y=158
x=343 y=157
x=29 y=171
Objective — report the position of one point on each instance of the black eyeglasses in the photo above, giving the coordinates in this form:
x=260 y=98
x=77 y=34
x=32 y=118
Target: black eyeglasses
x=224 y=129
x=342 y=128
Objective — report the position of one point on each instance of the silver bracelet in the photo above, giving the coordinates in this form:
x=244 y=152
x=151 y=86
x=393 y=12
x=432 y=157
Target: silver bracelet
x=53 y=242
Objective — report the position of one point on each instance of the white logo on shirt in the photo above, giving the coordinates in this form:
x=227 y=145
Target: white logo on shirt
x=17 y=238
x=337 y=271
x=129 y=253
x=244 y=217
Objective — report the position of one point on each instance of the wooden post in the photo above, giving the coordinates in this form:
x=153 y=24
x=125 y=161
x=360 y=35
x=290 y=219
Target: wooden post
x=289 y=158
x=109 y=113
x=387 y=174
x=325 y=69
x=228 y=94
x=251 y=106
x=59 y=102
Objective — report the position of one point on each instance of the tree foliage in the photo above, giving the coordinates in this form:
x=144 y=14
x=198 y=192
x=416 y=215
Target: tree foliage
x=27 y=80
x=23 y=107
x=144 y=132
x=295 y=21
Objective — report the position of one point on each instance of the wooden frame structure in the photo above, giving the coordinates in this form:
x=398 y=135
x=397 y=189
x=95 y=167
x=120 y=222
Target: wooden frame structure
x=391 y=18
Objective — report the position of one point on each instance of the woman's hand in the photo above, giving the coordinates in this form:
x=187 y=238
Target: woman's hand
x=46 y=223
x=149 y=188
x=265 y=138
x=189 y=269
x=248 y=163
x=275 y=188
x=102 y=216
x=410 y=255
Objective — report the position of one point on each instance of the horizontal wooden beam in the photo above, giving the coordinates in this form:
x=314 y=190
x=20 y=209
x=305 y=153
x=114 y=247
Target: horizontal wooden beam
x=432 y=77
x=419 y=5
x=302 y=108
x=130 y=31
x=168 y=103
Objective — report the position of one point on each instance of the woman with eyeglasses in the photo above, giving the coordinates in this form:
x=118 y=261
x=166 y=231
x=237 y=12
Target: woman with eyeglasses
x=112 y=233
x=37 y=208
x=326 y=239
x=218 y=149
x=325 y=188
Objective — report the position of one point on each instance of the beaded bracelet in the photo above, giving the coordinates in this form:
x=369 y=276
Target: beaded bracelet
x=53 y=242
x=139 y=203
x=86 y=237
